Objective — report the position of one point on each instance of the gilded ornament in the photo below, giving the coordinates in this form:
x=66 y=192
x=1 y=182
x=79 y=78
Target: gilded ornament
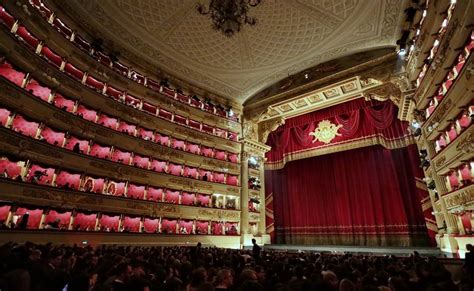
x=325 y=132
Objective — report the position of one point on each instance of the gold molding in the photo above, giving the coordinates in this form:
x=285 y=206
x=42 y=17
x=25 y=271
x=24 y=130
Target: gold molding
x=341 y=146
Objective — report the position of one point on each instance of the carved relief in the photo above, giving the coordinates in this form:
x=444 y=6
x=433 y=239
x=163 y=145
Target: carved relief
x=466 y=145
x=385 y=92
x=462 y=197
x=250 y=130
x=266 y=127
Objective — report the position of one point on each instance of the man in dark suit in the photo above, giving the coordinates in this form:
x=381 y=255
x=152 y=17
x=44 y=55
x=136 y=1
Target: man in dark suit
x=256 y=250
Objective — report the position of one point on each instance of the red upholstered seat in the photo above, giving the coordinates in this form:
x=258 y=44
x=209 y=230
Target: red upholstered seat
x=158 y=166
x=231 y=228
x=135 y=191
x=82 y=43
x=465 y=172
x=63 y=103
x=452 y=134
x=101 y=152
x=83 y=144
x=13 y=169
x=233 y=158
x=172 y=196
x=145 y=134
x=165 y=114
x=29 y=39
x=194 y=124
x=162 y=139
x=62 y=28
x=151 y=225
x=92 y=184
x=202 y=227
x=192 y=148
x=232 y=180
x=131 y=224
x=216 y=228
x=84 y=221
x=51 y=56
x=121 y=157
x=68 y=180
x=126 y=128
x=220 y=155
x=86 y=113
x=174 y=169
x=94 y=83
x=40 y=175
x=150 y=108
x=114 y=93
x=168 y=226
x=34 y=217
x=115 y=188
x=185 y=227
x=8 y=72
x=187 y=198
x=74 y=72
x=152 y=84
x=53 y=137
x=453 y=180
x=154 y=194
x=38 y=90
x=203 y=200
x=64 y=218
x=178 y=144
x=4 y=114
x=107 y=121
x=109 y=222
x=4 y=211
x=25 y=127
x=190 y=172
x=142 y=162
x=6 y=18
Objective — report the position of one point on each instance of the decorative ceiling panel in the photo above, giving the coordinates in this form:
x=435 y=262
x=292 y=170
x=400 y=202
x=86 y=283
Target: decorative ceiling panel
x=289 y=37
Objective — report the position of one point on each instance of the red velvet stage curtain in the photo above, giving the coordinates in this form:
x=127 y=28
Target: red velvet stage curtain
x=366 y=196
x=367 y=122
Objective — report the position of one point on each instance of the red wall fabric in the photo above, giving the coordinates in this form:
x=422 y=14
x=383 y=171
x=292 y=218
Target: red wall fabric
x=366 y=196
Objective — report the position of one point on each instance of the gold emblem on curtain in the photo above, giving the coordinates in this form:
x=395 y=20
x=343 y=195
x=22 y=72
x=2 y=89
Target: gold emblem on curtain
x=326 y=131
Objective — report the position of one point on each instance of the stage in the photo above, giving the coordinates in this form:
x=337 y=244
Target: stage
x=398 y=251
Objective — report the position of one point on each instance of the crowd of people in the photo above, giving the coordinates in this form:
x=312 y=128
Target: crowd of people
x=51 y=267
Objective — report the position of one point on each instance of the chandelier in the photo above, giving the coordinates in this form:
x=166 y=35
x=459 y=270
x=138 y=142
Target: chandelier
x=229 y=15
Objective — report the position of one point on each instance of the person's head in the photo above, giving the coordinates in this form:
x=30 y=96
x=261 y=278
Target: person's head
x=124 y=271
x=248 y=275
x=330 y=278
x=224 y=278
x=138 y=271
x=198 y=277
x=254 y=241
x=469 y=247
x=35 y=255
x=55 y=258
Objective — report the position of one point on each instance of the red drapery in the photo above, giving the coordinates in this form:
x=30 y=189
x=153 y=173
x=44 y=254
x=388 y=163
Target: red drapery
x=361 y=123
x=366 y=196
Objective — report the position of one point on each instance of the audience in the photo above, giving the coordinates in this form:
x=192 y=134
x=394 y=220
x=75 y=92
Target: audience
x=113 y=268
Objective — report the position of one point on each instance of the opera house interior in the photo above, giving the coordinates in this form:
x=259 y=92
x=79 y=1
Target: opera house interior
x=221 y=140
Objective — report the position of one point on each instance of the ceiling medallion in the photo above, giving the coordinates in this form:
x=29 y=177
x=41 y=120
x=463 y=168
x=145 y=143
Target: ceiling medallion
x=229 y=15
x=325 y=132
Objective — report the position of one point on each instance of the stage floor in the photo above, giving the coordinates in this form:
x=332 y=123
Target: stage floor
x=369 y=250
